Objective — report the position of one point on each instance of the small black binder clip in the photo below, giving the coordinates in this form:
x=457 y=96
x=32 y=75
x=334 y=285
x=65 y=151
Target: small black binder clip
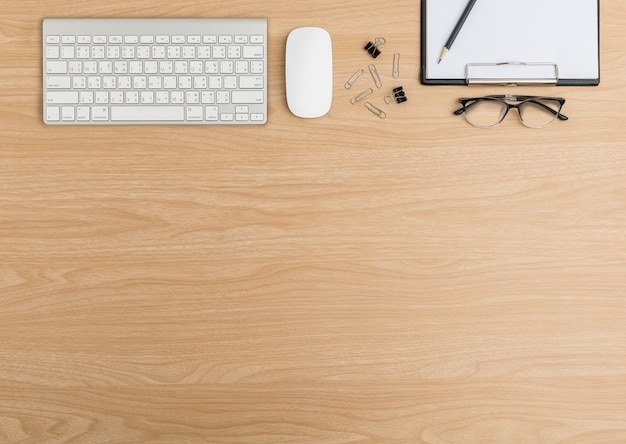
x=397 y=94
x=372 y=48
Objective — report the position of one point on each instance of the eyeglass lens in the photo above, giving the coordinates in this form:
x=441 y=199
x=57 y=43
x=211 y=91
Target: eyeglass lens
x=485 y=113
x=537 y=113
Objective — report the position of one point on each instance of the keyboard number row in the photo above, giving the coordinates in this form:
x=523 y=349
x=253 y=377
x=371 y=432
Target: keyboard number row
x=154 y=67
x=155 y=52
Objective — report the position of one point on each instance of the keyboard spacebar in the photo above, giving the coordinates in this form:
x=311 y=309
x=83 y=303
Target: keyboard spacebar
x=158 y=113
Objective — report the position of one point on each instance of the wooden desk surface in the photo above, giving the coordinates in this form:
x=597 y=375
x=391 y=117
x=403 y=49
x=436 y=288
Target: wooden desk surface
x=341 y=280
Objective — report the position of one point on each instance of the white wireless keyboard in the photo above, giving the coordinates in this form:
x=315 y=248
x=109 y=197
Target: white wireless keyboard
x=155 y=71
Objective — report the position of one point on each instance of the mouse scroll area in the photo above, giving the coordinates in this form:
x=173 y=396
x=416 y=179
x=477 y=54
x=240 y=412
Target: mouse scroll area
x=309 y=72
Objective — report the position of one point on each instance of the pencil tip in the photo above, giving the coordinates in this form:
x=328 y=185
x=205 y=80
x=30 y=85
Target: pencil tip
x=443 y=54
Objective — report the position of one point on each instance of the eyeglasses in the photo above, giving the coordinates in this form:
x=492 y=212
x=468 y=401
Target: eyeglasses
x=533 y=111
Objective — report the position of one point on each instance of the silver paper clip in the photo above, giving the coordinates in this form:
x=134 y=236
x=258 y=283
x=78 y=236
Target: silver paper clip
x=364 y=95
x=375 y=110
x=375 y=76
x=395 y=72
x=355 y=78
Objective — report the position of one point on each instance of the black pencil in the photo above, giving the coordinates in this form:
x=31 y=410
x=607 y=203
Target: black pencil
x=456 y=30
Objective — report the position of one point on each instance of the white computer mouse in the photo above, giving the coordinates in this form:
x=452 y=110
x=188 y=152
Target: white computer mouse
x=309 y=72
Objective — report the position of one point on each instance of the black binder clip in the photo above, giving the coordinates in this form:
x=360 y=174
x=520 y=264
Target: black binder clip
x=397 y=94
x=372 y=48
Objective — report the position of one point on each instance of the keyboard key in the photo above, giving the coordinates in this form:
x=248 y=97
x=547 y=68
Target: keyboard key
x=128 y=52
x=67 y=113
x=215 y=82
x=79 y=82
x=132 y=97
x=109 y=82
x=102 y=97
x=177 y=97
x=162 y=97
x=208 y=96
x=97 y=52
x=256 y=39
x=147 y=97
x=227 y=67
x=189 y=52
x=151 y=67
x=105 y=67
x=204 y=52
x=158 y=52
x=143 y=52
x=100 y=113
x=241 y=97
x=67 y=52
x=86 y=97
x=256 y=67
x=140 y=113
x=251 y=82
x=212 y=67
x=117 y=97
x=58 y=82
x=94 y=82
x=234 y=52
x=52 y=113
x=90 y=67
x=242 y=67
x=52 y=39
x=75 y=67
x=113 y=52
x=53 y=52
x=211 y=112
x=253 y=52
x=223 y=97
x=62 y=97
x=82 y=113
x=194 y=113
x=230 y=82
x=219 y=52
x=83 y=52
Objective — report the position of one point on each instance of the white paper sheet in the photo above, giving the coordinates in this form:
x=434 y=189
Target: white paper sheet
x=564 y=32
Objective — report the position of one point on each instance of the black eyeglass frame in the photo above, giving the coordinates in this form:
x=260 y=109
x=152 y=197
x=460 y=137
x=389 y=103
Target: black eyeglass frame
x=505 y=100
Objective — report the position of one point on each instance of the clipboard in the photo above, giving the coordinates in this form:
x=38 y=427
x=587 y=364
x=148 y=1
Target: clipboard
x=512 y=42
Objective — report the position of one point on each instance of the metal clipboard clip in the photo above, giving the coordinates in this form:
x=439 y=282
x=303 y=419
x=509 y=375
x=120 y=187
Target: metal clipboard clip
x=512 y=73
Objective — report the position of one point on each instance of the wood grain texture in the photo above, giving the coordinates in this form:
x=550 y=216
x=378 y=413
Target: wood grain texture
x=341 y=280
